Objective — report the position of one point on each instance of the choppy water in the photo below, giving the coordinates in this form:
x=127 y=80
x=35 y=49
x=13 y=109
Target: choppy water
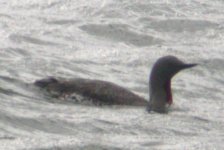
x=117 y=41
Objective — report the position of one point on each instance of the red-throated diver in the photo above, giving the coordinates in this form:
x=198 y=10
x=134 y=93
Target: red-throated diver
x=109 y=93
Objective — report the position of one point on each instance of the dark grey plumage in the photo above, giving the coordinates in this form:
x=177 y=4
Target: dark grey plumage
x=109 y=93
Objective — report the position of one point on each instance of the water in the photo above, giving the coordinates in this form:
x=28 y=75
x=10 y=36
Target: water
x=117 y=41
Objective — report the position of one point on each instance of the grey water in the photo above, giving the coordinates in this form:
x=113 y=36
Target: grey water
x=117 y=41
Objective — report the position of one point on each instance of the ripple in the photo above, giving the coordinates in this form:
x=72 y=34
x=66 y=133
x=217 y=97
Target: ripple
x=5 y=16
x=13 y=52
x=85 y=147
x=22 y=38
x=99 y=147
x=120 y=33
x=43 y=124
x=179 y=25
x=7 y=138
x=62 y=22
x=214 y=64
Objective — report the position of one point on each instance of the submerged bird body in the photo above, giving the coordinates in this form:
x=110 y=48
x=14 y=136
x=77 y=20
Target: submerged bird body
x=99 y=91
x=109 y=93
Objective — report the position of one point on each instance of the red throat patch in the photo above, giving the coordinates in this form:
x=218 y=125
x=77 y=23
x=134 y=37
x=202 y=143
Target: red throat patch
x=168 y=92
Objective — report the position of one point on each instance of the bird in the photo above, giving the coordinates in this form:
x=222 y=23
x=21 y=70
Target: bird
x=108 y=93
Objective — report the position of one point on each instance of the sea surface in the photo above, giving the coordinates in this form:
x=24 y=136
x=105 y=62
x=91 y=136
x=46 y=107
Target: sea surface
x=116 y=41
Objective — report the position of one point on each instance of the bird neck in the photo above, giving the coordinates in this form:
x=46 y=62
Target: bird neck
x=160 y=95
x=169 y=97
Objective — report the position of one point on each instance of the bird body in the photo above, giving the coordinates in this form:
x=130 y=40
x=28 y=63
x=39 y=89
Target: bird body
x=98 y=90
